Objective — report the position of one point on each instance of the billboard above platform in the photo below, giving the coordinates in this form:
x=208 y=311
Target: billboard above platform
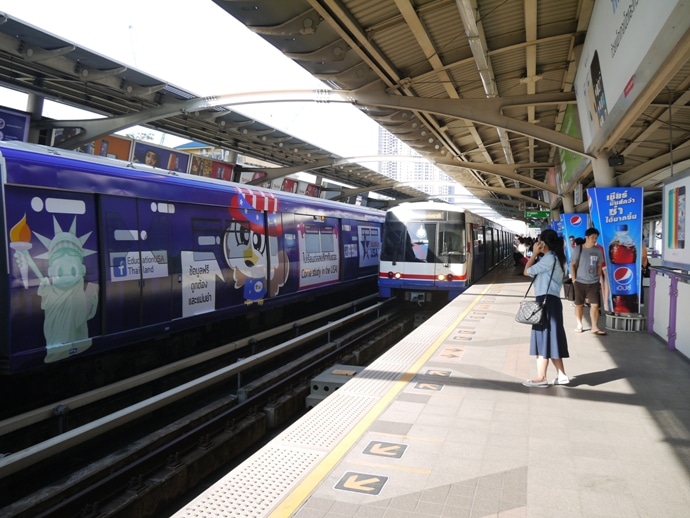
x=626 y=45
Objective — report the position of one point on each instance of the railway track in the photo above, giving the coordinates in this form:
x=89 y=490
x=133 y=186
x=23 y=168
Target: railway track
x=136 y=446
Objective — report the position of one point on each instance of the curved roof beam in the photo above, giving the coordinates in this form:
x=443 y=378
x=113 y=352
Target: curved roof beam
x=483 y=111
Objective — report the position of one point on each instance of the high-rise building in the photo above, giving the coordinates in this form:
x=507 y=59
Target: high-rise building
x=421 y=174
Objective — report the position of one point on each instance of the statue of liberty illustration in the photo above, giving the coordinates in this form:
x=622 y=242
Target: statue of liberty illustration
x=66 y=304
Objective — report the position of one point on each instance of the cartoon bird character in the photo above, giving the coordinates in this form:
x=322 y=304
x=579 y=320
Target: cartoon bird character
x=249 y=240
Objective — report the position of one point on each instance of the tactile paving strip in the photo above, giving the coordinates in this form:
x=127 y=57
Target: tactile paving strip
x=327 y=422
x=254 y=487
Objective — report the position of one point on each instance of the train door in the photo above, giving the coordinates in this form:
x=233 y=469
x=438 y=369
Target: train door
x=478 y=252
x=451 y=250
x=488 y=248
x=135 y=241
x=120 y=245
x=491 y=244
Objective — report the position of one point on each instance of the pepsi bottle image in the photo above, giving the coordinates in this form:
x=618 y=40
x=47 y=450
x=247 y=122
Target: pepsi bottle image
x=624 y=281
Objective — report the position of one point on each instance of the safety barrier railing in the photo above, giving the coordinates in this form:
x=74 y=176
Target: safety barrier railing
x=669 y=289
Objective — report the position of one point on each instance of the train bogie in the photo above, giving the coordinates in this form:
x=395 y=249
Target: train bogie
x=98 y=255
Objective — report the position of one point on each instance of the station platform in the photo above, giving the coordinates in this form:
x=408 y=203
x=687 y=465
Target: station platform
x=441 y=426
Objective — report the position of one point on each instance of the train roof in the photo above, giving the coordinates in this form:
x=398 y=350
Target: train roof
x=436 y=206
x=103 y=175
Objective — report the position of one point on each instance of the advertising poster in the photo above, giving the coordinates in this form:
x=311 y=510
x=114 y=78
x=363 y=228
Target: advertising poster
x=574 y=226
x=252 y=177
x=200 y=166
x=309 y=189
x=60 y=135
x=626 y=44
x=14 y=125
x=617 y=213
x=571 y=165
x=289 y=185
x=222 y=171
x=113 y=147
x=156 y=156
x=676 y=251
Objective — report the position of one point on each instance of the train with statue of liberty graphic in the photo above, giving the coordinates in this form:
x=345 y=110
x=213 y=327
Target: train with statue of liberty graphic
x=99 y=253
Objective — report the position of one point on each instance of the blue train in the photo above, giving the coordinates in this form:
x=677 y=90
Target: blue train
x=98 y=253
x=432 y=251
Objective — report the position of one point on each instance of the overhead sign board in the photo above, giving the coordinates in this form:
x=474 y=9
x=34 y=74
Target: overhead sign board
x=541 y=214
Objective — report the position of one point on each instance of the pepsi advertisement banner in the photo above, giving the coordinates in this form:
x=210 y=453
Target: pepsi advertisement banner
x=574 y=226
x=617 y=213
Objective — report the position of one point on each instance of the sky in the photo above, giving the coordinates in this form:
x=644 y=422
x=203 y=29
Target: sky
x=200 y=48
x=206 y=51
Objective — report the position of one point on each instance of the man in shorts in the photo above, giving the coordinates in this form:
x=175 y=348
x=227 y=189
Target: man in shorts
x=586 y=266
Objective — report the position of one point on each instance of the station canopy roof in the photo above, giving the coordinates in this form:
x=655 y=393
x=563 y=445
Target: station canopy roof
x=479 y=88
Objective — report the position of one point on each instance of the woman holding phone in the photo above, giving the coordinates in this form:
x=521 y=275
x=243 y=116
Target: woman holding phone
x=548 y=342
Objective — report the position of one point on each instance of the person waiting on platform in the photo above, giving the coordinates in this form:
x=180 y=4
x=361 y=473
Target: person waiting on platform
x=645 y=270
x=548 y=342
x=586 y=266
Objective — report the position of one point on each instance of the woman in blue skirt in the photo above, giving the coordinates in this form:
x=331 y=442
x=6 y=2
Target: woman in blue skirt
x=548 y=342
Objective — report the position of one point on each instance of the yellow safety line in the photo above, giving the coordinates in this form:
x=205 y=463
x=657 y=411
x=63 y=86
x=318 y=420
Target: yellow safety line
x=313 y=479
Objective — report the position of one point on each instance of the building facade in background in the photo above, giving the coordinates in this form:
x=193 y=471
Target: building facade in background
x=421 y=174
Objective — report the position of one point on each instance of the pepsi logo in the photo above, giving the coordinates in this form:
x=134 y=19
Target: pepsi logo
x=623 y=275
x=576 y=220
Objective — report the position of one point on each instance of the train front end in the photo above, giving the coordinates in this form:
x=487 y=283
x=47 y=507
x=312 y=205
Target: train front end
x=423 y=256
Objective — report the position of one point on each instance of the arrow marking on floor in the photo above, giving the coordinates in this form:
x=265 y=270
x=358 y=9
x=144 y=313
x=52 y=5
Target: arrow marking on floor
x=385 y=449
x=361 y=483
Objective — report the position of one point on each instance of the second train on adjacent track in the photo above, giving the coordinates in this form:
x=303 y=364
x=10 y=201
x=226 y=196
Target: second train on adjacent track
x=100 y=254
x=432 y=252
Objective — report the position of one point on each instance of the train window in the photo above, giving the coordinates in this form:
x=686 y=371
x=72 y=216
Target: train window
x=319 y=240
x=312 y=240
x=397 y=245
x=420 y=240
x=327 y=241
x=478 y=239
x=451 y=243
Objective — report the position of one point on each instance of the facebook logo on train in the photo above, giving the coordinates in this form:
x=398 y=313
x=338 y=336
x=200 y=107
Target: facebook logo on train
x=119 y=267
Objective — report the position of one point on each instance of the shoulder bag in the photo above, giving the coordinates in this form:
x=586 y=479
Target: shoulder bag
x=530 y=311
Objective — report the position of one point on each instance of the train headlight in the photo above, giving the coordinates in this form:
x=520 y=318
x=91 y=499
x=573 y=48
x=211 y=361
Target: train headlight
x=395 y=275
x=441 y=277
